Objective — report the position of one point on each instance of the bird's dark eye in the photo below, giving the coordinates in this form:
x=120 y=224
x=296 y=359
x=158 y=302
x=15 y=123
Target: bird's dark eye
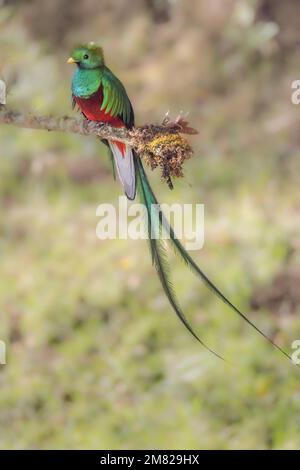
x=86 y=56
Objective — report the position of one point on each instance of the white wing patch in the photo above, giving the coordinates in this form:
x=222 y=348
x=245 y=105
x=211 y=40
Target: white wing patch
x=125 y=168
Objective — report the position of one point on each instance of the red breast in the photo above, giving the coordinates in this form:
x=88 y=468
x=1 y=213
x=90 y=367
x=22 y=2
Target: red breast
x=90 y=107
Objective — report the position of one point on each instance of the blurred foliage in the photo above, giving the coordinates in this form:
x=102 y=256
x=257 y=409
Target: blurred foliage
x=96 y=358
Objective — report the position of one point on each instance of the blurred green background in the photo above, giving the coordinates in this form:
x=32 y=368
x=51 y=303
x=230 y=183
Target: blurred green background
x=96 y=357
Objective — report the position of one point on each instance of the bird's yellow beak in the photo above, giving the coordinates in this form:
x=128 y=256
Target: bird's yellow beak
x=71 y=61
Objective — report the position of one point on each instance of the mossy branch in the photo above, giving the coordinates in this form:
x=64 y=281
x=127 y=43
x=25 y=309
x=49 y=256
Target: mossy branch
x=158 y=144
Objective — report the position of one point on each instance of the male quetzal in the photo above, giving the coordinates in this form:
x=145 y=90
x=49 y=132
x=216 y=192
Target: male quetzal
x=101 y=97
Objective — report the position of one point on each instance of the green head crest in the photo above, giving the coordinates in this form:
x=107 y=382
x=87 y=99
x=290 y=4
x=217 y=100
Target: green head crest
x=88 y=56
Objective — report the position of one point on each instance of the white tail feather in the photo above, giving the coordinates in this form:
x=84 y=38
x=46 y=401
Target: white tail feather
x=125 y=168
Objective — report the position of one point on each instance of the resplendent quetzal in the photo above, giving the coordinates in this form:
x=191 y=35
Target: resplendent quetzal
x=101 y=97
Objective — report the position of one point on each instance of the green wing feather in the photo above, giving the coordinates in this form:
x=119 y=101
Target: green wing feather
x=115 y=99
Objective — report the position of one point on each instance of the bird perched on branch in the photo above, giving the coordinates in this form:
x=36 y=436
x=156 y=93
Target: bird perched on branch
x=101 y=97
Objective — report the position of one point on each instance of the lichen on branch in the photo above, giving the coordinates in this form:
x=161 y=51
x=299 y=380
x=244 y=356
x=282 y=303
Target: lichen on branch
x=164 y=146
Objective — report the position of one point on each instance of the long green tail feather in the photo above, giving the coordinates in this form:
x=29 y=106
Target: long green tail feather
x=158 y=251
x=149 y=198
